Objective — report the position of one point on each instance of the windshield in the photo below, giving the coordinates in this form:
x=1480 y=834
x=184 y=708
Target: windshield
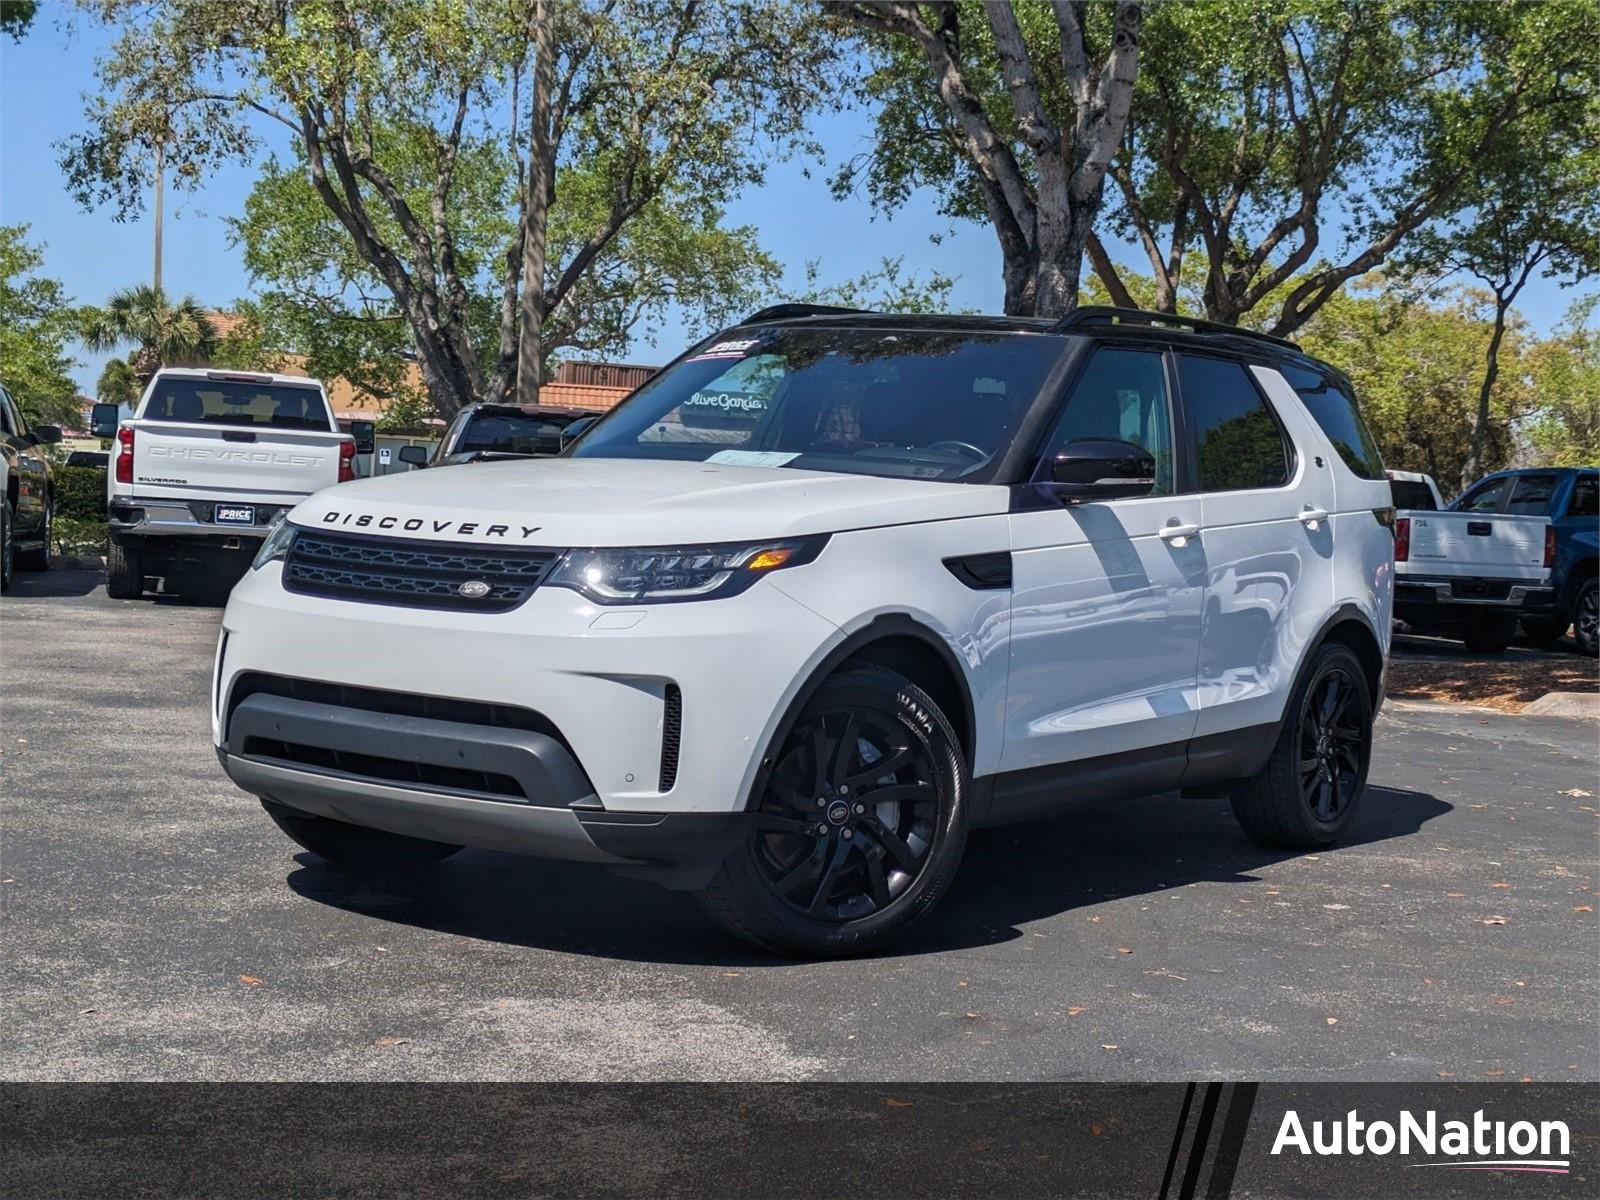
x=192 y=401
x=916 y=404
x=511 y=433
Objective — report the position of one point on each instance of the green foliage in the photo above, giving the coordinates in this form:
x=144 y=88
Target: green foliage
x=117 y=383
x=887 y=287
x=1417 y=369
x=80 y=493
x=80 y=535
x=165 y=331
x=1564 y=387
x=16 y=16
x=393 y=225
x=406 y=413
x=36 y=325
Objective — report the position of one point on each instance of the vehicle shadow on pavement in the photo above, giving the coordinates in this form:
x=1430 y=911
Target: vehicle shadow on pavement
x=55 y=584
x=1010 y=877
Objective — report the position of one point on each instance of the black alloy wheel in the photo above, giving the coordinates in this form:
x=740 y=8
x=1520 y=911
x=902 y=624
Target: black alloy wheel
x=1333 y=742
x=857 y=826
x=849 y=815
x=1586 y=621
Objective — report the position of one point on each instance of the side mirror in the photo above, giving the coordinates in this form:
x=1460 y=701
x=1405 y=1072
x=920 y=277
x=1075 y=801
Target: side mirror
x=576 y=429
x=1103 y=469
x=46 y=435
x=103 y=420
x=417 y=456
x=365 y=434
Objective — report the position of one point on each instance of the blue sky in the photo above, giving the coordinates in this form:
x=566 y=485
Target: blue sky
x=43 y=80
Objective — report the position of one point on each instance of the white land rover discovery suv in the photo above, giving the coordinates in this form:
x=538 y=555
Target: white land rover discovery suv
x=826 y=593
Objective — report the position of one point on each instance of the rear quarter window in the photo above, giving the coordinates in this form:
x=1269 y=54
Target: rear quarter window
x=1333 y=407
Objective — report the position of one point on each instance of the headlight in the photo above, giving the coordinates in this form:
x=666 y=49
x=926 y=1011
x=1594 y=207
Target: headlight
x=659 y=574
x=276 y=544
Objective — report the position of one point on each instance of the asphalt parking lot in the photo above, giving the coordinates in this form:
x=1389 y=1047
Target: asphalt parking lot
x=158 y=927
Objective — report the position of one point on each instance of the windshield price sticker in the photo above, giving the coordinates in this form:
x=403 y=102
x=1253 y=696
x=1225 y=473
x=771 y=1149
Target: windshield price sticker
x=736 y=349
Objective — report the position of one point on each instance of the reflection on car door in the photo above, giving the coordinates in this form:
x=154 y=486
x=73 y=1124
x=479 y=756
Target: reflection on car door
x=1106 y=595
x=1268 y=537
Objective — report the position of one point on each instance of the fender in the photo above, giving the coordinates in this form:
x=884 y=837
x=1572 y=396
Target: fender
x=886 y=625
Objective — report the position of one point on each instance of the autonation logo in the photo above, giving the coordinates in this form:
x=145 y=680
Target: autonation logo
x=1476 y=1145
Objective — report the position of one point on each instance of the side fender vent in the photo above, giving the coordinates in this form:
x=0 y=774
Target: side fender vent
x=671 y=736
x=982 y=572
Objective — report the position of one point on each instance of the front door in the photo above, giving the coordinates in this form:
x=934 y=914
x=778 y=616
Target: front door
x=1106 y=595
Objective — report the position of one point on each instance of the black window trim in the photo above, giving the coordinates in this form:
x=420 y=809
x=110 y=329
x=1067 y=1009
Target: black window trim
x=1292 y=457
x=1030 y=488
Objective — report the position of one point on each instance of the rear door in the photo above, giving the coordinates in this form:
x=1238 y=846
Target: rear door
x=1106 y=595
x=1267 y=494
x=234 y=435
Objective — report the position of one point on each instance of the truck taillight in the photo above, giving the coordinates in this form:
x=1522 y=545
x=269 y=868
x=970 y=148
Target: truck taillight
x=1549 y=545
x=124 y=455
x=1402 y=539
x=347 y=461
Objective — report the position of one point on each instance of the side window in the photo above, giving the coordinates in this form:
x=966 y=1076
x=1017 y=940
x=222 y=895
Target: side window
x=1122 y=396
x=1585 y=497
x=1333 y=407
x=6 y=420
x=1485 y=497
x=1531 y=495
x=1238 y=443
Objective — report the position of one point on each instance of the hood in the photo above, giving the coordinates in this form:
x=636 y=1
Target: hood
x=626 y=502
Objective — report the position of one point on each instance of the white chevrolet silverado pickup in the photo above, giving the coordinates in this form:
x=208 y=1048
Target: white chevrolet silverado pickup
x=208 y=462
x=1469 y=572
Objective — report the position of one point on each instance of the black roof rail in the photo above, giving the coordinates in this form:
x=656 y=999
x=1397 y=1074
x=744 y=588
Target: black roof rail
x=787 y=312
x=1105 y=314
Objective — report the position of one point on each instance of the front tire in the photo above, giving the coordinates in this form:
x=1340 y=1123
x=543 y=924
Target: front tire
x=124 y=568
x=1307 y=793
x=38 y=559
x=1491 y=634
x=8 y=551
x=859 y=828
x=355 y=848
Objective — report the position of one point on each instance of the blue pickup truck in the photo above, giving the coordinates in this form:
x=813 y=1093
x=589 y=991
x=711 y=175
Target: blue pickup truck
x=1570 y=497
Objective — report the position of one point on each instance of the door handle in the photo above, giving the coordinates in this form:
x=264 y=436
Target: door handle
x=1178 y=534
x=1313 y=517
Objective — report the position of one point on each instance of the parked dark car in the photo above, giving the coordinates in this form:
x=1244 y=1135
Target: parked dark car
x=99 y=459
x=28 y=511
x=486 y=432
x=1570 y=497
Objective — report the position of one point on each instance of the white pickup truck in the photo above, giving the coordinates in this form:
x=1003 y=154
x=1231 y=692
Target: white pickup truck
x=1467 y=572
x=207 y=463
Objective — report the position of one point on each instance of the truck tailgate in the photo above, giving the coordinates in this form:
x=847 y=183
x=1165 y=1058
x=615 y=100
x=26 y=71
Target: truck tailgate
x=1487 y=545
x=216 y=461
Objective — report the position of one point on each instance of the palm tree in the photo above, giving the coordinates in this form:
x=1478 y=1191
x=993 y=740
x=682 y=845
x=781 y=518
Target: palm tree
x=163 y=331
x=117 y=384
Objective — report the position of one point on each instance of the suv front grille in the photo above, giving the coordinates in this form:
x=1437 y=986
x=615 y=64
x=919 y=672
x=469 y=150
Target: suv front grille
x=414 y=574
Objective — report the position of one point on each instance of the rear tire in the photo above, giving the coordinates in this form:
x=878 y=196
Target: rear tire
x=38 y=559
x=355 y=848
x=1490 y=634
x=124 y=568
x=1309 y=790
x=859 y=828
x=1586 y=618
x=1545 y=632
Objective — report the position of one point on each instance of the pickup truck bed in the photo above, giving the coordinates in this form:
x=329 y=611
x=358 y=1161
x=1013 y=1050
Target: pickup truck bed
x=209 y=461
x=1471 y=573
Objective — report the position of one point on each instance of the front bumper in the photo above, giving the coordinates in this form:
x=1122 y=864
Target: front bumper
x=618 y=690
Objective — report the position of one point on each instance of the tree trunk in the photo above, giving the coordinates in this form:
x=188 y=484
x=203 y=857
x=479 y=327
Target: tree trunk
x=530 y=342
x=1473 y=467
